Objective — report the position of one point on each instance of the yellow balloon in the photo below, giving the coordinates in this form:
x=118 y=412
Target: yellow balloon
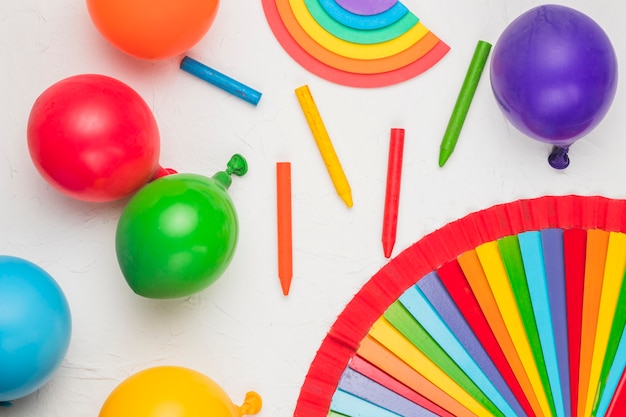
x=174 y=391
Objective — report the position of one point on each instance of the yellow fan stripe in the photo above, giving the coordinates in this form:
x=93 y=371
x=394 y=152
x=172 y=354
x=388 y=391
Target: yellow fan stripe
x=491 y=260
x=475 y=275
x=392 y=339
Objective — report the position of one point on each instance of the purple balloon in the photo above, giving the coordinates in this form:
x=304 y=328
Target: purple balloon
x=554 y=74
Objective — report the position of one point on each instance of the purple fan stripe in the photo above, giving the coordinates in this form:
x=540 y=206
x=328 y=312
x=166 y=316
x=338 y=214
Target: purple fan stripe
x=361 y=386
x=438 y=296
x=553 y=255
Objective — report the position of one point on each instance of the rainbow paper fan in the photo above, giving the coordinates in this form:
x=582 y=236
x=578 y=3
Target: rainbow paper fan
x=516 y=310
x=358 y=43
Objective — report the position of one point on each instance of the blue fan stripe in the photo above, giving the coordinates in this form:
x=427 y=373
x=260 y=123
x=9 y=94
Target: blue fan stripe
x=353 y=406
x=438 y=296
x=615 y=373
x=420 y=308
x=552 y=242
x=371 y=391
x=532 y=254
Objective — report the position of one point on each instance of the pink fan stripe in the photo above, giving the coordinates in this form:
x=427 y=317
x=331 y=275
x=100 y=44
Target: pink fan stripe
x=375 y=374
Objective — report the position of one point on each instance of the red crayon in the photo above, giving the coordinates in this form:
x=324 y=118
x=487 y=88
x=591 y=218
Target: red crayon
x=392 y=194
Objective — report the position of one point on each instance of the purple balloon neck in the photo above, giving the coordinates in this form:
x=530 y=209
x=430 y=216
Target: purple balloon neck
x=558 y=158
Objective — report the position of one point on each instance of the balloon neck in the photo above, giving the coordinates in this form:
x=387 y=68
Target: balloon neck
x=162 y=172
x=5 y=404
x=223 y=179
x=237 y=165
x=252 y=404
x=558 y=158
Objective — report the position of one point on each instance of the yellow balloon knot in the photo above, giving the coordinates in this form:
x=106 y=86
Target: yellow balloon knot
x=252 y=404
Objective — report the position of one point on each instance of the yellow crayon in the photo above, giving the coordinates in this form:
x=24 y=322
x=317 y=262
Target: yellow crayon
x=313 y=118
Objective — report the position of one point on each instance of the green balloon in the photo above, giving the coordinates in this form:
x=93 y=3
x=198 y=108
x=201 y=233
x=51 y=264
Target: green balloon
x=178 y=234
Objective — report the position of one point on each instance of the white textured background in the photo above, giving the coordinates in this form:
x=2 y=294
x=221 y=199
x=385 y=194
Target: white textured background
x=242 y=332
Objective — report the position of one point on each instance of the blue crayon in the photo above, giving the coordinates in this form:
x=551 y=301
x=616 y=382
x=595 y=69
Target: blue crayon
x=220 y=80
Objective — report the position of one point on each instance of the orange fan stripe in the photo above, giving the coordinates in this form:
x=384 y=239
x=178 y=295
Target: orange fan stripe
x=608 y=304
x=381 y=357
x=597 y=246
x=473 y=270
x=390 y=337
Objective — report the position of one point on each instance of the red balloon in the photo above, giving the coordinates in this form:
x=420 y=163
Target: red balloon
x=93 y=138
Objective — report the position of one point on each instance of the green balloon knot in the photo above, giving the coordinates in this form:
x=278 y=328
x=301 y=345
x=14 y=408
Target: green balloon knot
x=236 y=166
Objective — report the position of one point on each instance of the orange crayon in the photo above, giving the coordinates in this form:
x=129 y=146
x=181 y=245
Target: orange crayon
x=283 y=215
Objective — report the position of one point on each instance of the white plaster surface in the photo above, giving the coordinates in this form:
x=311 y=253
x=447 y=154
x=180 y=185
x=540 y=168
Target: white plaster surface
x=242 y=332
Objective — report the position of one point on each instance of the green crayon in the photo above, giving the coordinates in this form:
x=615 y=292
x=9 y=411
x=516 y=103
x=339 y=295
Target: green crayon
x=463 y=101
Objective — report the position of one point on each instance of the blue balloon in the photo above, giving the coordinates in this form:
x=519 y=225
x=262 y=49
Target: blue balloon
x=35 y=327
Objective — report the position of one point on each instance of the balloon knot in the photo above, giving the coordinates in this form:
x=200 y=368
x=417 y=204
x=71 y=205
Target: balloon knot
x=237 y=165
x=5 y=404
x=252 y=404
x=162 y=172
x=558 y=158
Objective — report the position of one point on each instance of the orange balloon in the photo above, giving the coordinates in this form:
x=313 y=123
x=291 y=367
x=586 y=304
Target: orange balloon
x=174 y=391
x=153 y=29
